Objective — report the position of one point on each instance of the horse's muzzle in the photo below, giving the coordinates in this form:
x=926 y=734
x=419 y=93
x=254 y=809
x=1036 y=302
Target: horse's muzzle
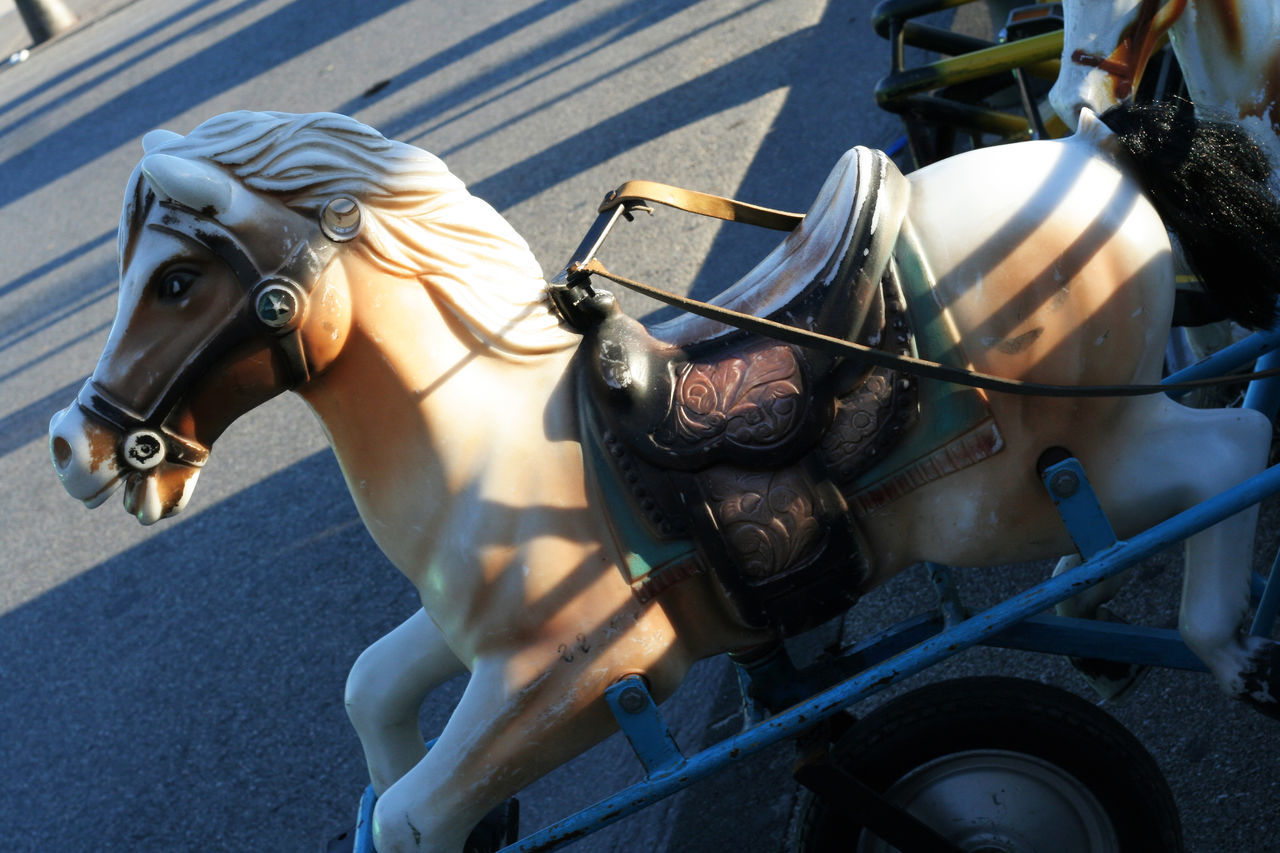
x=84 y=456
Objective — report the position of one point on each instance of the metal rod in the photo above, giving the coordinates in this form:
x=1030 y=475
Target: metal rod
x=363 y=841
x=1229 y=358
x=1264 y=396
x=1088 y=638
x=1265 y=617
x=1003 y=58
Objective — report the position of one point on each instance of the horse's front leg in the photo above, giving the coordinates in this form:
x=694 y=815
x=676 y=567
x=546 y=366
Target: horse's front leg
x=1215 y=602
x=1185 y=457
x=520 y=716
x=385 y=690
x=1219 y=560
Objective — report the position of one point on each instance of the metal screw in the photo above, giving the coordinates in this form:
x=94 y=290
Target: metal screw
x=632 y=700
x=1064 y=484
x=143 y=449
x=277 y=306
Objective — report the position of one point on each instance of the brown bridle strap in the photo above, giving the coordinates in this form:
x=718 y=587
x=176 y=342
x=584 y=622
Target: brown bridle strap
x=273 y=304
x=913 y=366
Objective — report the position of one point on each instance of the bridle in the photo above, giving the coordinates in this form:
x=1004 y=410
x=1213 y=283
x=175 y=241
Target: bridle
x=274 y=302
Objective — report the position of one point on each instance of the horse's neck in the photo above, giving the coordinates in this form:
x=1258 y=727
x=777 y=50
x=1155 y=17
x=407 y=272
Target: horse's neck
x=431 y=430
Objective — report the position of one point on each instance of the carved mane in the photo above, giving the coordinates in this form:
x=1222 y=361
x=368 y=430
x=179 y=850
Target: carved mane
x=420 y=222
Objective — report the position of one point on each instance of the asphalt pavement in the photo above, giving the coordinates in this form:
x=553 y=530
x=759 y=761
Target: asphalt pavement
x=179 y=687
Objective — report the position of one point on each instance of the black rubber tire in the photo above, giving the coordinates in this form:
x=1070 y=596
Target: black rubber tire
x=1009 y=714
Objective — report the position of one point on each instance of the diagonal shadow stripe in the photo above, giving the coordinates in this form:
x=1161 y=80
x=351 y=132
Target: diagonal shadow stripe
x=458 y=52
x=730 y=85
x=63 y=259
x=220 y=66
x=112 y=51
x=32 y=421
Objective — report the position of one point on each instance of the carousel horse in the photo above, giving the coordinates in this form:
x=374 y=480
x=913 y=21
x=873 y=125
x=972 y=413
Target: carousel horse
x=577 y=505
x=1229 y=54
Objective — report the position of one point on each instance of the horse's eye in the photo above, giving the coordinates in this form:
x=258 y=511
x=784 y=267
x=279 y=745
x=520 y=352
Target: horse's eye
x=175 y=284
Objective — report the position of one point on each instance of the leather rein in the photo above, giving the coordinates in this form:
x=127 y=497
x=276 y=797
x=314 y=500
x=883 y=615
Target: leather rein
x=571 y=293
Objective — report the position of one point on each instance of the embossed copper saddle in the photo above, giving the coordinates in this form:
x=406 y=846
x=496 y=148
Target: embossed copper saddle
x=715 y=448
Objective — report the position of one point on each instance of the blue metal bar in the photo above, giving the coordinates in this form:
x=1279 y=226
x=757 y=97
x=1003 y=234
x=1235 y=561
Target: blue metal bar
x=1088 y=638
x=1264 y=396
x=977 y=629
x=1227 y=359
x=363 y=842
x=644 y=727
x=1078 y=505
x=1264 y=619
x=882 y=645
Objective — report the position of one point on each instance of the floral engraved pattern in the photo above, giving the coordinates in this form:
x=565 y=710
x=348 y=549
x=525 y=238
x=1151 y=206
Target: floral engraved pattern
x=751 y=400
x=860 y=419
x=767 y=517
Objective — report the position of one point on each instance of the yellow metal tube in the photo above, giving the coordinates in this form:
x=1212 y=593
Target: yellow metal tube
x=1037 y=55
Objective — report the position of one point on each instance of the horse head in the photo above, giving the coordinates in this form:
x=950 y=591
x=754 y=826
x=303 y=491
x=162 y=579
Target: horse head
x=239 y=245
x=1106 y=48
x=228 y=296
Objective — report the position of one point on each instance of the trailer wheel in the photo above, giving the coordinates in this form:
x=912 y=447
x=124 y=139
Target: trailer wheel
x=999 y=765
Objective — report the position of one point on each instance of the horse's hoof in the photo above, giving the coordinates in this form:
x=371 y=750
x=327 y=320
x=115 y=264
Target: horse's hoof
x=1113 y=681
x=1259 y=679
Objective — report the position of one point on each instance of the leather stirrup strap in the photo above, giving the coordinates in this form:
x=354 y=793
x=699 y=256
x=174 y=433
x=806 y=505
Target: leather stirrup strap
x=703 y=204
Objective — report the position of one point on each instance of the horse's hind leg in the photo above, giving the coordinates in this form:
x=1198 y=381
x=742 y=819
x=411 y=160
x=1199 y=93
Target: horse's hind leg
x=1215 y=602
x=1087 y=604
x=385 y=689
x=1111 y=680
x=1185 y=457
x=1215 y=592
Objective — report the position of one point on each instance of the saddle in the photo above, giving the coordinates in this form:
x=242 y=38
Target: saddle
x=731 y=452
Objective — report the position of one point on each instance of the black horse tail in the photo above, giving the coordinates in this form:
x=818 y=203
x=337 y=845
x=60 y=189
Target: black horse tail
x=1211 y=184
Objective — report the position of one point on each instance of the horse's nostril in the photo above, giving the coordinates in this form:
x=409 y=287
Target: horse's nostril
x=61 y=452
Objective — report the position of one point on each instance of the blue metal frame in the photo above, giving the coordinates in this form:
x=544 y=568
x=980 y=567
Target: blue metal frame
x=903 y=650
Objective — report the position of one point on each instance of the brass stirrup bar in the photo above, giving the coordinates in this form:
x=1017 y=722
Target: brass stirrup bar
x=703 y=204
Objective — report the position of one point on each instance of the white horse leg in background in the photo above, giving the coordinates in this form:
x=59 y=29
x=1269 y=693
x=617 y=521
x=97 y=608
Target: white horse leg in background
x=385 y=690
x=1228 y=54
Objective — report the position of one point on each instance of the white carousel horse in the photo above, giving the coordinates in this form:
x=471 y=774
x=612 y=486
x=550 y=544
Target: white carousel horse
x=1229 y=54
x=265 y=251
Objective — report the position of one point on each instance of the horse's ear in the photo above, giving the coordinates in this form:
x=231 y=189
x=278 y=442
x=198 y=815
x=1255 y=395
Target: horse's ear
x=156 y=138
x=190 y=183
